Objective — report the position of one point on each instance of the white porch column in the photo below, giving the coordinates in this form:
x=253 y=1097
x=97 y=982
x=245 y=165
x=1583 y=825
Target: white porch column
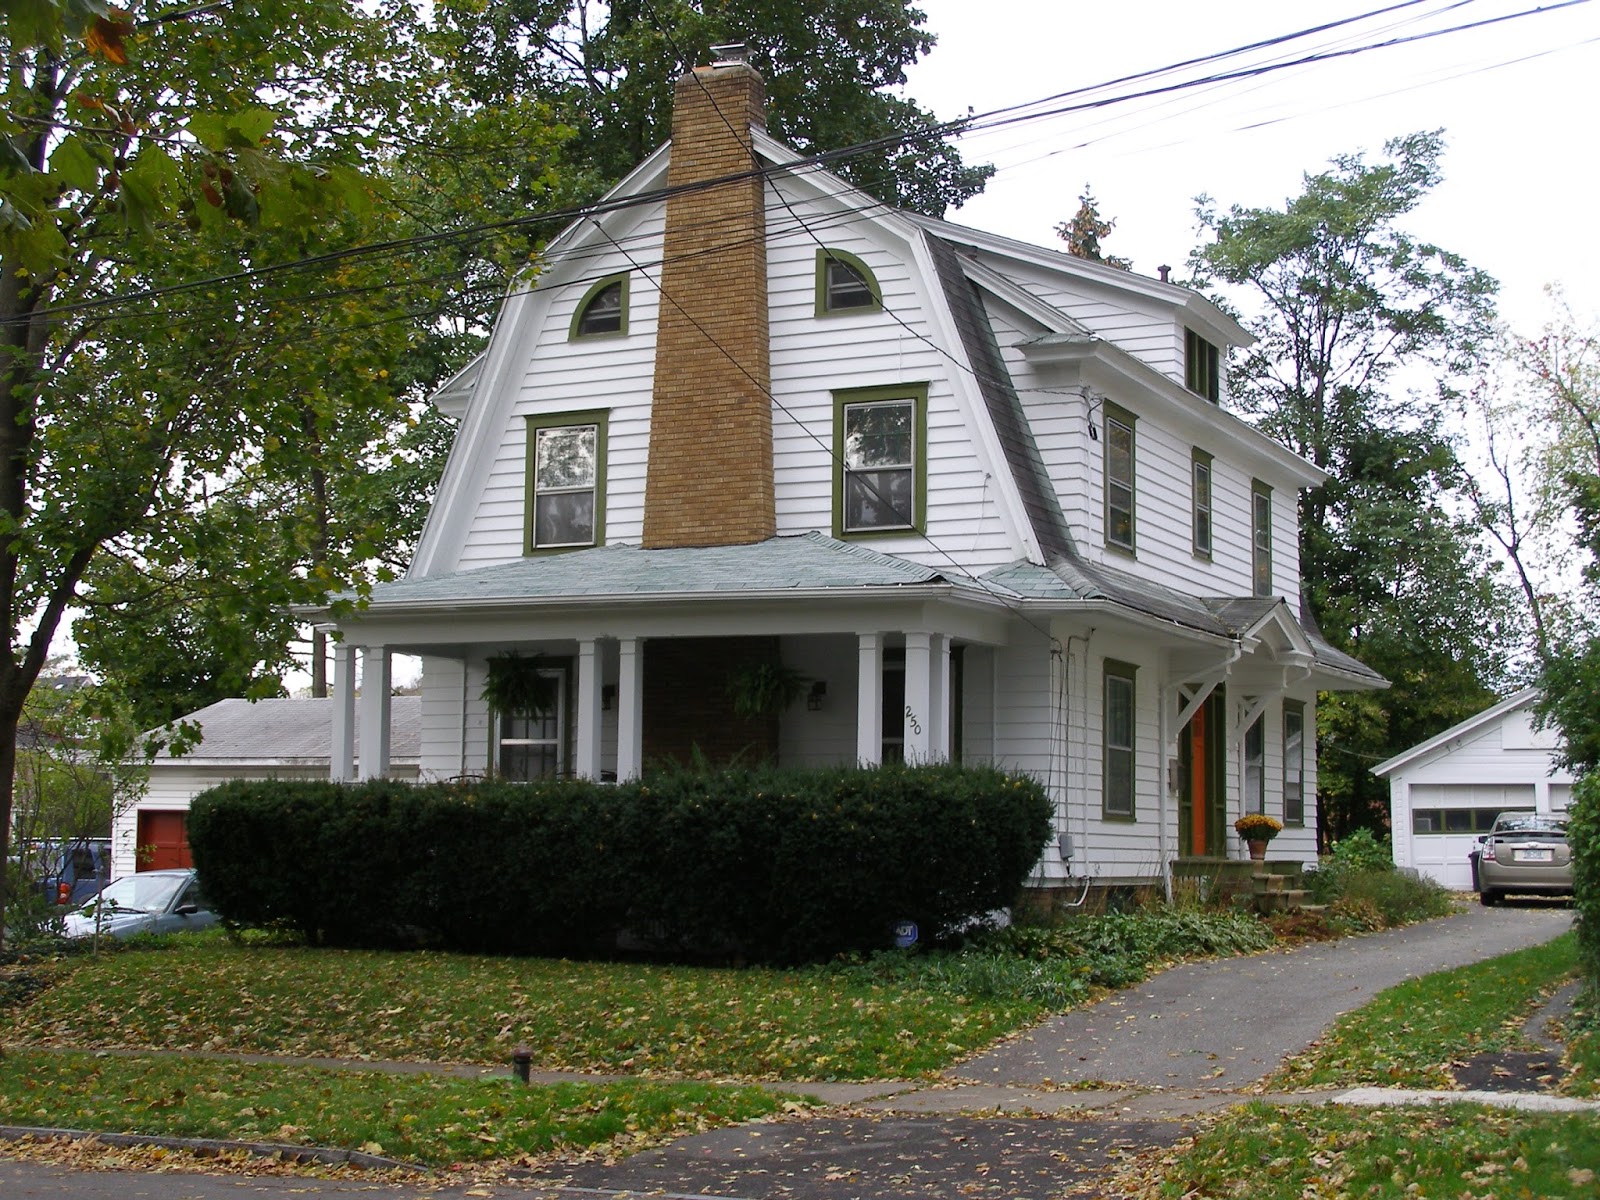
x=343 y=764
x=374 y=712
x=939 y=710
x=588 y=739
x=920 y=707
x=630 y=709
x=869 y=700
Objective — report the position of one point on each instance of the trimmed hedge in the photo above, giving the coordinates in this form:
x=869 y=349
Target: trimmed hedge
x=1583 y=835
x=772 y=865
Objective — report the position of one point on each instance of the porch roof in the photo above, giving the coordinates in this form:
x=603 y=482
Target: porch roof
x=1224 y=616
x=806 y=562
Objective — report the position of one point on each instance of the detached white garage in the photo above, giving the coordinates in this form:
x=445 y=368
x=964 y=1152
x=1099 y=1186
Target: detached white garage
x=241 y=739
x=1446 y=792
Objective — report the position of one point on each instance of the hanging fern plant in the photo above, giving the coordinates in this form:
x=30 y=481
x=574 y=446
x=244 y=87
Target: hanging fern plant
x=520 y=687
x=764 y=689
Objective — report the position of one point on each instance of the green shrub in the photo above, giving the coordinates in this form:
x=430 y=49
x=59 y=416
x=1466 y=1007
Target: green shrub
x=1583 y=834
x=1362 y=851
x=779 y=866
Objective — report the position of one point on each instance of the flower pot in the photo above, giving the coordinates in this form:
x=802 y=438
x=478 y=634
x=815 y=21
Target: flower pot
x=1258 y=849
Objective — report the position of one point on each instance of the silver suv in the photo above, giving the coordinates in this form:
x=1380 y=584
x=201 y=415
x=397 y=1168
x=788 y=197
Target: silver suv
x=1524 y=852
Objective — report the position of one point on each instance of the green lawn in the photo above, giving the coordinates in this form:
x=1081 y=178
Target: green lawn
x=1408 y=1035
x=419 y=1118
x=1457 y=1152
x=686 y=1022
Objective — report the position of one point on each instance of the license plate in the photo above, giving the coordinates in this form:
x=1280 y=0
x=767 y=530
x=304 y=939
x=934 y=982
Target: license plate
x=1534 y=856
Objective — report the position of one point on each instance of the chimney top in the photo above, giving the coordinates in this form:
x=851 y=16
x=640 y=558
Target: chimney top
x=1165 y=272
x=730 y=54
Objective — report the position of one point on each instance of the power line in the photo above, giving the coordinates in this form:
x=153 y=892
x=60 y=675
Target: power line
x=994 y=119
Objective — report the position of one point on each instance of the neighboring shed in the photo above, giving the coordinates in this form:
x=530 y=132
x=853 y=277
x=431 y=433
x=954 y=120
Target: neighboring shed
x=264 y=739
x=1447 y=791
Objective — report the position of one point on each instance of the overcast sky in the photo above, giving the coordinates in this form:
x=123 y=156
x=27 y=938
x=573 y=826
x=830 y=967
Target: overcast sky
x=1517 y=101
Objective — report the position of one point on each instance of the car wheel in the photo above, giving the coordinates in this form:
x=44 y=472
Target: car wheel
x=1488 y=897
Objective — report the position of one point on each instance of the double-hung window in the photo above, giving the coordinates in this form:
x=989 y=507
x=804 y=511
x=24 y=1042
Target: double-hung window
x=1117 y=742
x=881 y=480
x=1255 y=768
x=1119 y=472
x=1200 y=475
x=1294 y=763
x=1202 y=366
x=1261 y=538
x=566 y=481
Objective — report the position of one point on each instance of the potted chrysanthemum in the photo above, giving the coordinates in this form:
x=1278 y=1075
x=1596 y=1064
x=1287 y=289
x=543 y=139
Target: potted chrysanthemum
x=1257 y=829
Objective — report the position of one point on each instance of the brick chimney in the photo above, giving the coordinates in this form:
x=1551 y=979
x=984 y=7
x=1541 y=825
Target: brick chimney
x=709 y=478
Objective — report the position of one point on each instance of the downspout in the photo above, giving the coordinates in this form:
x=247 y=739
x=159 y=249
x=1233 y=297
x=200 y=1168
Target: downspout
x=465 y=661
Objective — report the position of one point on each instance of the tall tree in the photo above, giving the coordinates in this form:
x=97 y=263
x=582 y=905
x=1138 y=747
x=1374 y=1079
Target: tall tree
x=191 y=158
x=1364 y=334
x=829 y=65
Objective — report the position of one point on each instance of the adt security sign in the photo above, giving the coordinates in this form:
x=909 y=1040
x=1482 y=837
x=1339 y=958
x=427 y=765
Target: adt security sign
x=905 y=934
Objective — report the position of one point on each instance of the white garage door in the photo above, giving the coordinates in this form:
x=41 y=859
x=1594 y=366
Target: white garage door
x=1446 y=821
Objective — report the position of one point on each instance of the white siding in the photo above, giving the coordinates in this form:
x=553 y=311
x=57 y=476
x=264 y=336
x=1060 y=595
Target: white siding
x=1144 y=328
x=812 y=357
x=551 y=375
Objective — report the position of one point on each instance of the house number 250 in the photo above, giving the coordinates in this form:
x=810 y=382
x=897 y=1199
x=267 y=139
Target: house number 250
x=911 y=720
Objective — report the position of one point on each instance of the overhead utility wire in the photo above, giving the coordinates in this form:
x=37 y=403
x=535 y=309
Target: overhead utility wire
x=1010 y=115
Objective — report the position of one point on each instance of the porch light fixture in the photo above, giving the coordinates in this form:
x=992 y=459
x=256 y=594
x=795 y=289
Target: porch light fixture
x=819 y=689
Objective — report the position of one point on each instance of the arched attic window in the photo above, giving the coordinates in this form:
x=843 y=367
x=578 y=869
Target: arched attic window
x=845 y=284
x=603 y=311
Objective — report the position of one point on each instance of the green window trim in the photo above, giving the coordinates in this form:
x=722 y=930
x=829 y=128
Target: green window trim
x=575 y=333
x=1202 y=366
x=1294 y=764
x=1202 y=483
x=1120 y=493
x=1260 y=538
x=598 y=418
x=844 y=399
x=1119 y=737
x=827 y=309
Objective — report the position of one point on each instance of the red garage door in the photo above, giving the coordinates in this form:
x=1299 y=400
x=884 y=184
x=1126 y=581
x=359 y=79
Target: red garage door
x=162 y=842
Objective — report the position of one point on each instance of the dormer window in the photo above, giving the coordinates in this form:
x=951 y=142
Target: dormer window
x=845 y=284
x=603 y=310
x=1202 y=366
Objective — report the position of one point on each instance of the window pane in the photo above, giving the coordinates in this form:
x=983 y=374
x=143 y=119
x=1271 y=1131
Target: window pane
x=1425 y=820
x=1202 y=508
x=603 y=314
x=1458 y=820
x=878 y=435
x=1119 y=781
x=565 y=457
x=1255 y=775
x=563 y=519
x=1119 y=712
x=1261 y=504
x=1294 y=812
x=846 y=288
x=879 y=499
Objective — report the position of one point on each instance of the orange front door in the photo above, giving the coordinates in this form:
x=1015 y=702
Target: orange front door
x=1198 y=808
x=163 y=842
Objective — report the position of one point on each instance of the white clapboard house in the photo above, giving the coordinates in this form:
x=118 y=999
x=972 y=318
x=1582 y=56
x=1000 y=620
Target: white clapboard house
x=982 y=495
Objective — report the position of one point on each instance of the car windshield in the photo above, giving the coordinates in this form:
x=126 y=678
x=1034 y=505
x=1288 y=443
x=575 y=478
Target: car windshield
x=147 y=893
x=1531 y=823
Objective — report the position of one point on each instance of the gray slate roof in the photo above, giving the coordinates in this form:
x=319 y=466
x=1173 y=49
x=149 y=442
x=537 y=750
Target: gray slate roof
x=292 y=731
x=806 y=561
